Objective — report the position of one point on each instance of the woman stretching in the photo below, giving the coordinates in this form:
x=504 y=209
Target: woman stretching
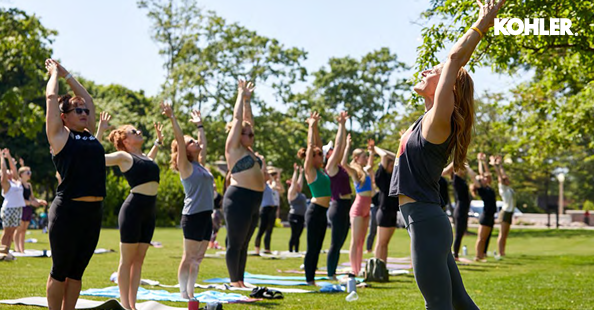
x=298 y=203
x=387 y=213
x=487 y=217
x=340 y=204
x=75 y=214
x=136 y=219
x=424 y=149
x=242 y=199
x=360 y=169
x=14 y=201
x=268 y=208
x=509 y=204
x=30 y=202
x=188 y=157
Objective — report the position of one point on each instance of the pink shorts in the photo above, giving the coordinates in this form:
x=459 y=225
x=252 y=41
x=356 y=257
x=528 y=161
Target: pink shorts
x=361 y=206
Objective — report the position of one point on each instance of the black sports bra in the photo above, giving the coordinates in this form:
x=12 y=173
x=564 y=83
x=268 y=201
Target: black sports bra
x=245 y=163
x=142 y=171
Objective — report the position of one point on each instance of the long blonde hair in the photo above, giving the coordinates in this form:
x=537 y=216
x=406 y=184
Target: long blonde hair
x=462 y=119
x=356 y=166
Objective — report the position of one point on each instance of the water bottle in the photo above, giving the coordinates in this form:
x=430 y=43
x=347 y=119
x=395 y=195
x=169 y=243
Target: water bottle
x=464 y=251
x=352 y=296
x=351 y=284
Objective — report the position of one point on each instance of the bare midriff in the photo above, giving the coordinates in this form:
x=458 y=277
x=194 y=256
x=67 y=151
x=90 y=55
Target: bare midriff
x=322 y=201
x=88 y=198
x=148 y=189
x=252 y=179
x=403 y=199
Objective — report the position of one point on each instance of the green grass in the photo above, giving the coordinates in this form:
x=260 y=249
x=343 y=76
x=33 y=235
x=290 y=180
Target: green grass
x=544 y=269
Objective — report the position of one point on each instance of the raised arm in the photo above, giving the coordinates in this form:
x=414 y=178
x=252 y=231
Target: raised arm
x=104 y=119
x=438 y=118
x=80 y=91
x=293 y=189
x=472 y=176
x=234 y=136
x=448 y=170
x=480 y=158
x=12 y=165
x=4 y=176
x=158 y=143
x=183 y=164
x=384 y=155
x=339 y=144
x=370 y=159
x=312 y=122
x=499 y=169
x=53 y=123
x=248 y=90
x=345 y=159
x=196 y=119
x=300 y=180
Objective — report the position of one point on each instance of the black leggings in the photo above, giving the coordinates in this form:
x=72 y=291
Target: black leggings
x=240 y=206
x=435 y=269
x=461 y=224
x=296 y=222
x=267 y=221
x=137 y=218
x=338 y=214
x=317 y=222
x=74 y=228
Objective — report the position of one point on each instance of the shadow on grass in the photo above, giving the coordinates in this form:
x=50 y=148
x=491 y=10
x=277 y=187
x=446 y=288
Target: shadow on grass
x=265 y=304
x=550 y=233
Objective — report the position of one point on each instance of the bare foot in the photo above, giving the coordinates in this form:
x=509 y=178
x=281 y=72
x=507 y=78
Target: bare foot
x=184 y=294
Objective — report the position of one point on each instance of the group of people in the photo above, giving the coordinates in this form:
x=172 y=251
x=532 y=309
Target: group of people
x=408 y=181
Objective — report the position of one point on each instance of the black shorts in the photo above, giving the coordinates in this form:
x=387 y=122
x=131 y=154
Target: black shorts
x=487 y=218
x=387 y=217
x=197 y=226
x=74 y=228
x=506 y=217
x=137 y=218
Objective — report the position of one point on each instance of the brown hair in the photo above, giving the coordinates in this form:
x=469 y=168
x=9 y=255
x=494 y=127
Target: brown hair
x=243 y=124
x=462 y=119
x=67 y=102
x=117 y=137
x=303 y=152
x=175 y=150
x=355 y=165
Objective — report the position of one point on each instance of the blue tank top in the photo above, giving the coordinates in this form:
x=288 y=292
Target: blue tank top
x=199 y=190
x=363 y=187
x=419 y=164
x=268 y=197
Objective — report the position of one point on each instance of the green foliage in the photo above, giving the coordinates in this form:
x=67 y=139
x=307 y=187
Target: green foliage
x=117 y=190
x=588 y=205
x=170 y=199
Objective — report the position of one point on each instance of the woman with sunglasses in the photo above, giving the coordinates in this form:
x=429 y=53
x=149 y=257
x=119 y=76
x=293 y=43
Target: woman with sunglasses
x=136 y=219
x=360 y=169
x=24 y=173
x=75 y=214
x=241 y=203
x=444 y=130
x=188 y=157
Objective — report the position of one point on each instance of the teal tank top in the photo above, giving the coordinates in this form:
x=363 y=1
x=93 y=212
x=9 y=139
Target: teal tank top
x=321 y=186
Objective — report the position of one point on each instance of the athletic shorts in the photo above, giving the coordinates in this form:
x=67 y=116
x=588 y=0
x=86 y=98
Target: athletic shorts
x=506 y=217
x=197 y=226
x=361 y=206
x=11 y=217
x=387 y=217
x=27 y=214
x=137 y=218
x=487 y=219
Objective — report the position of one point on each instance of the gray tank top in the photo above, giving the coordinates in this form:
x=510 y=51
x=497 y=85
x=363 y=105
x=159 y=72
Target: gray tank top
x=268 y=197
x=419 y=164
x=298 y=205
x=199 y=190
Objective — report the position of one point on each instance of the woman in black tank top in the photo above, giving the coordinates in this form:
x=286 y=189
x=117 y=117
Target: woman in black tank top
x=137 y=215
x=424 y=149
x=75 y=214
x=24 y=173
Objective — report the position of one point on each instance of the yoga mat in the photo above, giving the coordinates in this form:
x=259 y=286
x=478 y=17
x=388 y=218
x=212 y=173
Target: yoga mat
x=85 y=304
x=398 y=259
x=321 y=272
x=39 y=253
x=263 y=281
x=144 y=294
x=223 y=287
x=389 y=266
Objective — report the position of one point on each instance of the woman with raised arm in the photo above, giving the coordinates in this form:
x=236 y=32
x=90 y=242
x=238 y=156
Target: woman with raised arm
x=340 y=204
x=298 y=203
x=509 y=204
x=241 y=203
x=443 y=131
x=75 y=214
x=136 y=219
x=318 y=181
x=188 y=157
x=268 y=209
x=14 y=201
x=361 y=171
x=387 y=213
x=487 y=217
x=31 y=201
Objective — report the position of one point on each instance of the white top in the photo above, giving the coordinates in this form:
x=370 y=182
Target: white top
x=507 y=194
x=14 y=198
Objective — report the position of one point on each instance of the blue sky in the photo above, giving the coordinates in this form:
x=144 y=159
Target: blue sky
x=109 y=41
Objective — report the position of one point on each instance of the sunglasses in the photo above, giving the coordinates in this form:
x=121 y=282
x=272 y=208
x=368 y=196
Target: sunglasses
x=136 y=132
x=192 y=141
x=78 y=111
x=251 y=134
x=319 y=153
x=27 y=172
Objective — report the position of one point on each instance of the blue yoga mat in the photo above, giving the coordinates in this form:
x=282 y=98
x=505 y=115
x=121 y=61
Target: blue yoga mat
x=144 y=294
x=263 y=281
x=250 y=276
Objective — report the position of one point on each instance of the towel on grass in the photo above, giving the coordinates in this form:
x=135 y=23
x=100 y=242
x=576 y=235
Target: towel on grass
x=144 y=294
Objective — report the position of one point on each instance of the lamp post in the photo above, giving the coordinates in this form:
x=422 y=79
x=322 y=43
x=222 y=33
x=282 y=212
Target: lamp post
x=561 y=179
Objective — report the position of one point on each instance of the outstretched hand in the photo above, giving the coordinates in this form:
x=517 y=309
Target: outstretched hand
x=166 y=109
x=196 y=118
x=54 y=66
x=342 y=117
x=313 y=118
x=295 y=167
x=348 y=139
x=248 y=90
x=371 y=145
x=159 y=129
x=104 y=119
x=487 y=13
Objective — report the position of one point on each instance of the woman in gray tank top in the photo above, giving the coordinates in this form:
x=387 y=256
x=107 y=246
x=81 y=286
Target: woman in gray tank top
x=423 y=153
x=188 y=157
x=298 y=203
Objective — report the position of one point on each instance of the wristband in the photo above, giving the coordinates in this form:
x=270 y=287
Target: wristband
x=158 y=142
x=200 y=126
x=68 y=76
x=477 y=30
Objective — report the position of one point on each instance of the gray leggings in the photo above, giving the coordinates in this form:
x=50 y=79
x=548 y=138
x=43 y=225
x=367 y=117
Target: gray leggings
x=434 y=267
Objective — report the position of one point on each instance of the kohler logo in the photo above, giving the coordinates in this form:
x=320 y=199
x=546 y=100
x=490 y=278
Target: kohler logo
x=534 y=26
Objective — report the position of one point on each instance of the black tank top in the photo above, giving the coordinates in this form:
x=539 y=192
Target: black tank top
x=81 y=164
x=419 y=164
x=26 y=192
x=142 y=171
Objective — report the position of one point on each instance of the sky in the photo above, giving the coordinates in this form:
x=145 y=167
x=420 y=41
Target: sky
x=109 y=41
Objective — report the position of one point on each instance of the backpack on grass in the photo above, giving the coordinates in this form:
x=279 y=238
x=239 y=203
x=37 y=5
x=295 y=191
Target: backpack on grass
x=376 y=271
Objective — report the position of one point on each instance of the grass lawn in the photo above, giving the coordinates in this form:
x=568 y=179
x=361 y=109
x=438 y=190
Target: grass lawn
x=544 y=269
